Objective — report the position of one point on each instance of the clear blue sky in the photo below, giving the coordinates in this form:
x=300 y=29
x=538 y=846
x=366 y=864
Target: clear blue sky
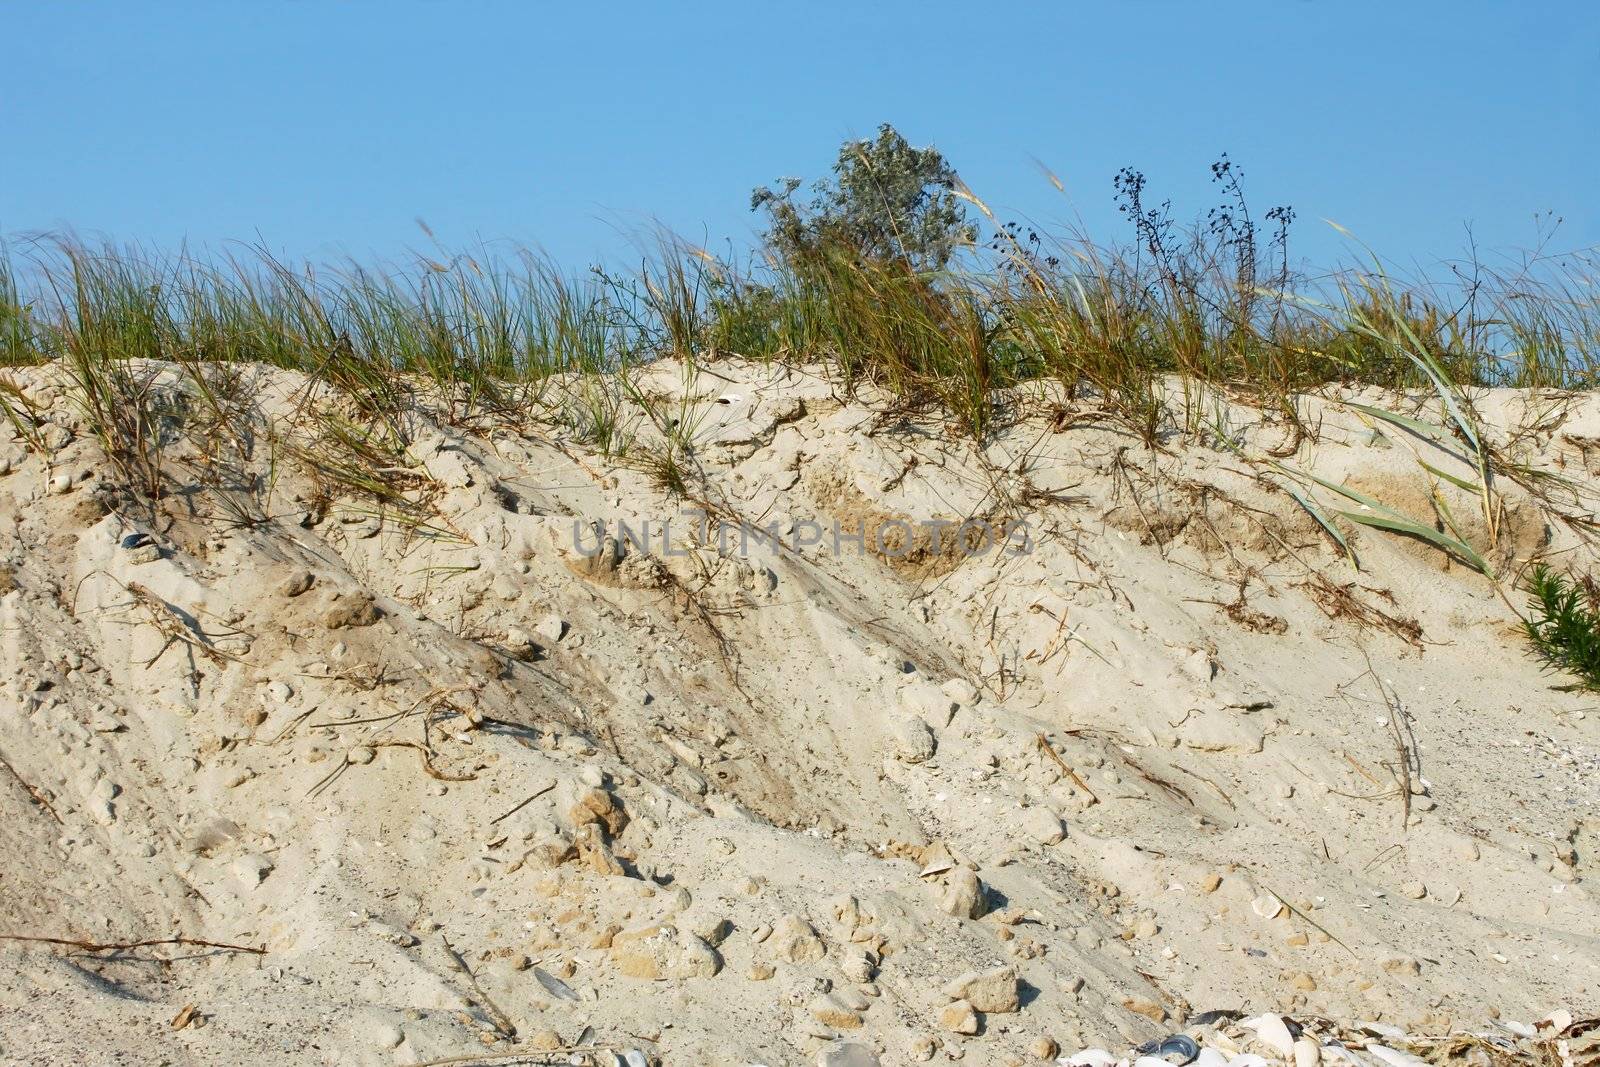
x=328 y=128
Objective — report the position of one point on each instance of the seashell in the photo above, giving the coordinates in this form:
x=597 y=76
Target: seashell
x=1210 y=1057
x=1176 y=1050
x=1268 y=906
x=1248 y=1059
x=1336 y=1050
x=1557 y=1021
x=1273 y=1032
x=553 y=985
x=1394 y=1057
x=1224 y=1044
x=1092 y=1057
x=1393 y=1033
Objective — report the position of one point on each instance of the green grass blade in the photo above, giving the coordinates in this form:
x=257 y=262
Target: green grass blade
x=1326 y=523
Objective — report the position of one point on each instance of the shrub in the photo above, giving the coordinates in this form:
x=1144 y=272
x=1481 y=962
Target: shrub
x=888 y=202
x=1563 y=623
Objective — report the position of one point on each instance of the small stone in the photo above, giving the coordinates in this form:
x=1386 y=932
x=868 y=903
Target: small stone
x=914 y=741
x=385 y=1034
x=1402 y=965
x=543 y=1040
x=859 y=964
x=352 y=609
x=927 y=702
x=662 y=951
x=830 y=1011
x=1146 y=1007
x=712 y=929
x=252 y=869
x=961 y=691
x=298 y=582
x=1414 y=889
x=1200 y=666
x=1303 y=981
x=1042 y=825
x=993 y=991
x=144 y=554
x=596 y=805
x=963 y=894
x=840 y=1054
x=1210 y=883
x=360 y=755
x=552 y=628
x=519 y=644
x=959 y=1018
x=852 y=998
x=923 y=1049
x=595 y=852
x=760 y=972
x=1043 y=1048
x=796 y=940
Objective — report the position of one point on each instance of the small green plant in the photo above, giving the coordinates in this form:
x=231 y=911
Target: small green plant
x=1563 y=623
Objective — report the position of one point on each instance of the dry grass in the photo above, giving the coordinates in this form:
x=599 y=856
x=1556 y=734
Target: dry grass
x=156 y=346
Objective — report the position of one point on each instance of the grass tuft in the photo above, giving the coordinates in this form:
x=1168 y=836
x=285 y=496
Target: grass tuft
x=1151 y=333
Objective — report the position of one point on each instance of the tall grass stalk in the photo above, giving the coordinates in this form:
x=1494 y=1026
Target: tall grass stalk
x=502 y=334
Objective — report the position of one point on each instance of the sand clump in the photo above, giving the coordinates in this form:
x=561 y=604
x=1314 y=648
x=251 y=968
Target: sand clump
x=449 y=786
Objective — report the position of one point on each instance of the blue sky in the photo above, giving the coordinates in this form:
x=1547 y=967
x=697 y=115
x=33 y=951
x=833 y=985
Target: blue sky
x=326 y=129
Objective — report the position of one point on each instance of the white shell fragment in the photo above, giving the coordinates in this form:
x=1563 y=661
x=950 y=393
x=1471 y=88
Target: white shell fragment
x=1268 y=906
x=1272 y=1032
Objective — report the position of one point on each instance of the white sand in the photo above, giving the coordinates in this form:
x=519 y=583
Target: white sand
x=744 y=766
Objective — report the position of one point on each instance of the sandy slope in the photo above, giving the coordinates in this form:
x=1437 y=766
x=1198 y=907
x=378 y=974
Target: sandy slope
x=766 y=788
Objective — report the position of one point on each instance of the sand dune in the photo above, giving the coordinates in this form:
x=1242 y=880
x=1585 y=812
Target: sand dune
x=1137 y=743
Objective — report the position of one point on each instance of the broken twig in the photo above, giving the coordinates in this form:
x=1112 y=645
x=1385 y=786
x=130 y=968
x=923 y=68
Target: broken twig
x=123 y=946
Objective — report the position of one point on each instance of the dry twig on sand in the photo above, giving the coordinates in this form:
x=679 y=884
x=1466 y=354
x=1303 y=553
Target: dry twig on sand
x=502 y=1022
x=536 y=795
x=38 y=797
x=528 y=1056
x=427 y=761
x=174 y=628
x=1049 y=750
x=124 y=946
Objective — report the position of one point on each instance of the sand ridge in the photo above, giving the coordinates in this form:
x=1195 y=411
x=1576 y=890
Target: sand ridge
x=477 y=788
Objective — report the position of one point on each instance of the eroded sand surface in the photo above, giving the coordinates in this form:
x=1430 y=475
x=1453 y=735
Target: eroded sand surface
x=780 y=803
